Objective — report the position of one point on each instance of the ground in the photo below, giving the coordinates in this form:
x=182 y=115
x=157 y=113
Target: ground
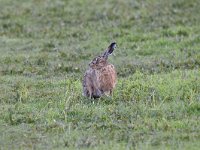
x=45 y=48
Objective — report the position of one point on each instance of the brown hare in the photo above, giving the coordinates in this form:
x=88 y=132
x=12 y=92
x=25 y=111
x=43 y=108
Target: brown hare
x=101 y=76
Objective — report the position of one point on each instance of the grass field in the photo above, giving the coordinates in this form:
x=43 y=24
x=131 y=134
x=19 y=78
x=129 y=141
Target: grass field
x=45 y=48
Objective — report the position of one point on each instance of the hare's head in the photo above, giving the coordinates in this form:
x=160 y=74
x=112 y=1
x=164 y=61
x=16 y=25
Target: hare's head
x=98 y=62
x=101 y=61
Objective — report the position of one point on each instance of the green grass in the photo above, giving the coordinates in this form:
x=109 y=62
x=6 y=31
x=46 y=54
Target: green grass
x=45 y=48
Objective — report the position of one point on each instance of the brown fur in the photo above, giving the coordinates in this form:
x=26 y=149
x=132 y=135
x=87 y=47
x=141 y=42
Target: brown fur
x=100 y=78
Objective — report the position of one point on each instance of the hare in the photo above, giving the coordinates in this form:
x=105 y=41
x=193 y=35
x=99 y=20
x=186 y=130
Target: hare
x=101 y=76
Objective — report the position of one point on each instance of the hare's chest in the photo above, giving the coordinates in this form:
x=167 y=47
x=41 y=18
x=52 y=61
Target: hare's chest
x=107 y=77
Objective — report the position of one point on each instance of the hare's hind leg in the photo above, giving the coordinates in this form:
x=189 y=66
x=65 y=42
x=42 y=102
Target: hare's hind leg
x=88 y=84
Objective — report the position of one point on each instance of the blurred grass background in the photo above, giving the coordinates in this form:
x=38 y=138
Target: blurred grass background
x=45 y=48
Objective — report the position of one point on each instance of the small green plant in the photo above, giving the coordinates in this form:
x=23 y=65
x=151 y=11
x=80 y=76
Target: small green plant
x=21 y=92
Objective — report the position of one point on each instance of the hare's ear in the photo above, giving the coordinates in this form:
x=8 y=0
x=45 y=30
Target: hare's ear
x=110 y=49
